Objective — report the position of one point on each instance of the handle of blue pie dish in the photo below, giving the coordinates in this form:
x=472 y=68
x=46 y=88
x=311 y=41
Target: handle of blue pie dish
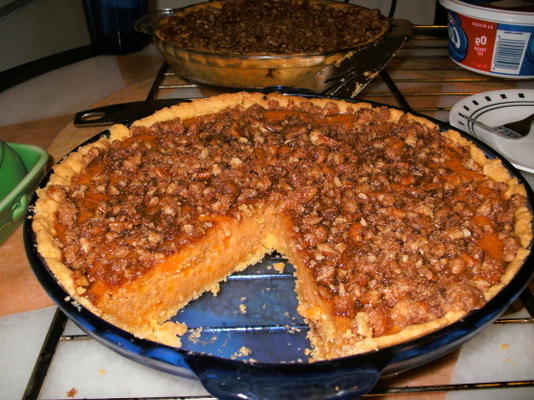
x=250 y=382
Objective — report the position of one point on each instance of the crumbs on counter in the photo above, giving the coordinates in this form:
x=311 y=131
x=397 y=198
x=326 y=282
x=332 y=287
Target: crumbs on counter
x=511 y=361
x=72 y=392
x=504 y=346
x=242 y=309
x=102 y=371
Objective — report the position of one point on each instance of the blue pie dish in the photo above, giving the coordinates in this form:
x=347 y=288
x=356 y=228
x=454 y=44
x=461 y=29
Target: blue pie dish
x=222 y=331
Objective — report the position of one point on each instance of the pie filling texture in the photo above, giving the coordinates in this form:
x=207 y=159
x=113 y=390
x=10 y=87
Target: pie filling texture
x=395 y=229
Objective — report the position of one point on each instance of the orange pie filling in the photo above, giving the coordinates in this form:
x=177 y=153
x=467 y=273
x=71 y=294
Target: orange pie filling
x=394 y=228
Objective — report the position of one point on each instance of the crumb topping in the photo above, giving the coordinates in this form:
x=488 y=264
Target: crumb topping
x=392 y=218
x=272 y=26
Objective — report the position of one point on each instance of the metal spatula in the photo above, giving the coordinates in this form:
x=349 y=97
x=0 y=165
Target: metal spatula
x=358 y=70
x=511 y=130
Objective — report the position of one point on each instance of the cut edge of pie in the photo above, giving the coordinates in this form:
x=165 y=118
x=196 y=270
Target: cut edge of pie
x=328 y=337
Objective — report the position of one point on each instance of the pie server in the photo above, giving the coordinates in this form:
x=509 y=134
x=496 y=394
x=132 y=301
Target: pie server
x=213 y=351
x=348 y=79
x=355 y=72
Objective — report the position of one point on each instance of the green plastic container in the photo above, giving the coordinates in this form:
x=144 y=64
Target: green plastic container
x=14 y=204
x=12 y=169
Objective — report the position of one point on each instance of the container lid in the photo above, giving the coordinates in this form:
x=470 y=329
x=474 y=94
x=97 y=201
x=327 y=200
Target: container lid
x=496 y=11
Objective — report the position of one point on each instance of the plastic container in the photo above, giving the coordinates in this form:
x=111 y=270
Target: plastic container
x=111 y=25
x=12 y=169
x=14 y=204
x=492 y=39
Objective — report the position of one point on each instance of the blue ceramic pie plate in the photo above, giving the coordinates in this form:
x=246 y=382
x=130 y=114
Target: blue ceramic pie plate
x=249 y=342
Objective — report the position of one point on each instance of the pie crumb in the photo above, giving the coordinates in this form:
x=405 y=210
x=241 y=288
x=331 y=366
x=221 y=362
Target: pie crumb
x=101 y=371
x=73 y=392
x=195 y=335
x=173 y=328
x=279 y=267
x=243 y=352
x=243 y=309
x=504 y=346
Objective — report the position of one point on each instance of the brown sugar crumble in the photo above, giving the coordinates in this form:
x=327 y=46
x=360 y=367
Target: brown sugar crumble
x=272 y=26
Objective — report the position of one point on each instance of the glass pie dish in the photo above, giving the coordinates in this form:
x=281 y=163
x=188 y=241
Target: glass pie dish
x=312 y=71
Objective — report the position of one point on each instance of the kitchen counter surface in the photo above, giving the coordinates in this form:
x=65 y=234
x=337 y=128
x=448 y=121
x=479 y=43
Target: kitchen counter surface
x=40 y=112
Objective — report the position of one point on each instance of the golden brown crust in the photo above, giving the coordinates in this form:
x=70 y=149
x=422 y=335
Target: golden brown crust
x=46 y=209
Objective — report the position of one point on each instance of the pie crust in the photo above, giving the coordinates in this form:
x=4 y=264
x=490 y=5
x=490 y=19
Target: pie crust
x=143 y=305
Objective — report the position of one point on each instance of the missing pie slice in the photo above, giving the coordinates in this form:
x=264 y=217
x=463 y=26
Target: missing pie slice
x=395 y=229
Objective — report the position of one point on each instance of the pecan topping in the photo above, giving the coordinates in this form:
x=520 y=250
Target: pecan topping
x=272 y=26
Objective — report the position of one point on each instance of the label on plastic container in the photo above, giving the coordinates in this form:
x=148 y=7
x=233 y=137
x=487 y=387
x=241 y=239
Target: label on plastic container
x=500 y=49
